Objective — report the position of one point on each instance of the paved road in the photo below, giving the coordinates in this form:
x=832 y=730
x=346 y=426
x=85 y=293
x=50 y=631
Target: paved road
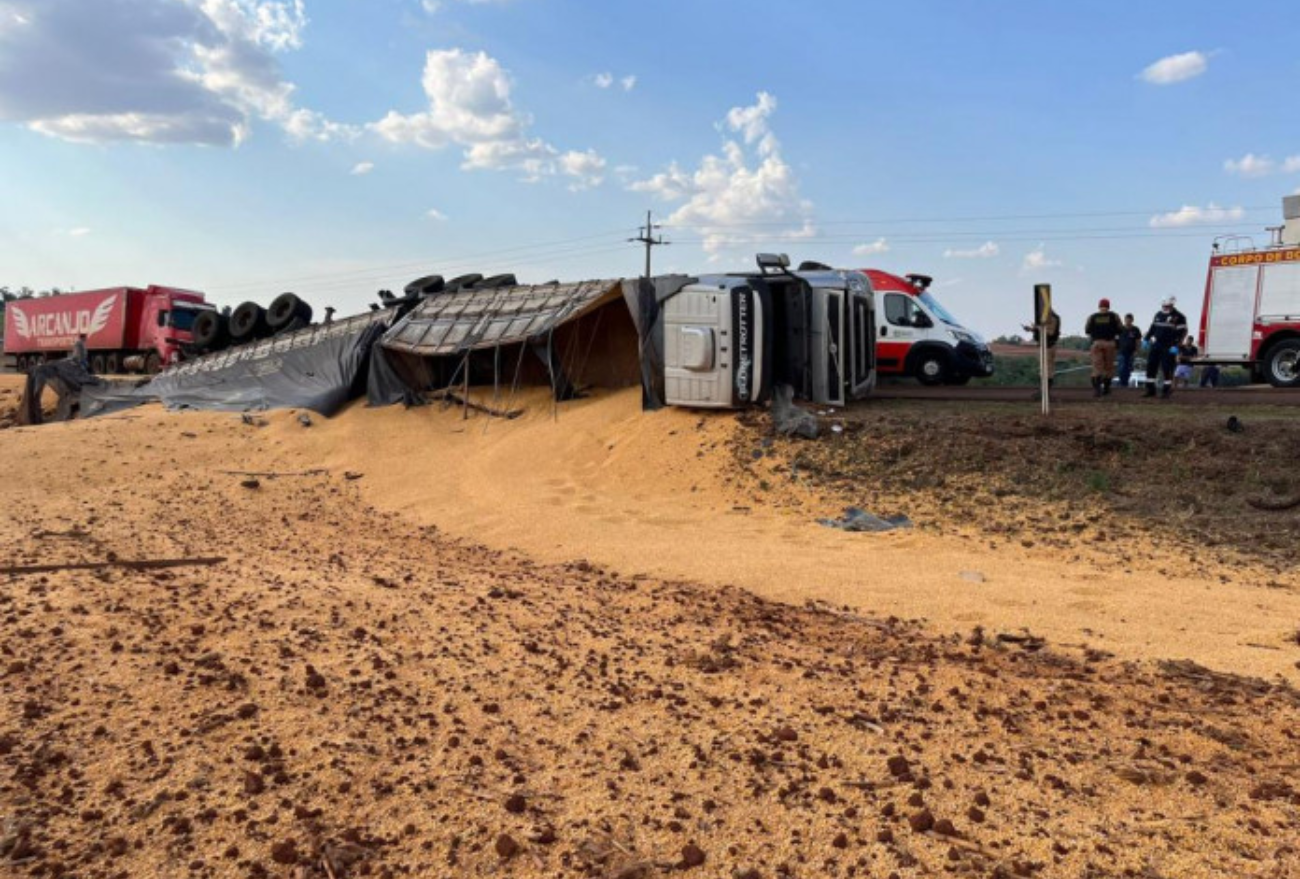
x=1254 y=395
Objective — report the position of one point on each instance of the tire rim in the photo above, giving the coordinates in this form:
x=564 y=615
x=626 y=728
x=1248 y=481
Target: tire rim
x=931 y=368
x=1284 y=366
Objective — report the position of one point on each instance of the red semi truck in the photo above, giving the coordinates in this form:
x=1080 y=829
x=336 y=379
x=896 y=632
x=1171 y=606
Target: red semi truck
x=127 y=328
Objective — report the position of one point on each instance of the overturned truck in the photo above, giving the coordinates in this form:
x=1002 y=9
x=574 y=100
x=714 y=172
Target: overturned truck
x=710 y=341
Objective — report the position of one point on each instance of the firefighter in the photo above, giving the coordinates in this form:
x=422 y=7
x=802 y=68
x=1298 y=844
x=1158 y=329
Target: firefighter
x=1168 y=328
x=1103 y=328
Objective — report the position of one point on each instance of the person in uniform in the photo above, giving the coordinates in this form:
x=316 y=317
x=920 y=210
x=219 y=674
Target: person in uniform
x=1167 y=330
x=1103 y=328
x=1126 y=349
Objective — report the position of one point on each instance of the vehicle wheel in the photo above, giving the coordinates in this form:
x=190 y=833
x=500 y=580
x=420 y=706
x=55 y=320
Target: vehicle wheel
x=211 y=331
x=97 y=364
x=1282 y=366
x=153 y=363
x=932 y=369
x=497 y=281
x=959 y=380
x=425 y=286
x=112 y=364
x=294 y=325
x=462 y=282
x=248 y=322
x=285 y=309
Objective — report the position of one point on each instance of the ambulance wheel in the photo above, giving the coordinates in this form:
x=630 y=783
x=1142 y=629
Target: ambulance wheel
x=112 y=364
x=153 y=363
x=932 y=369
x=97 y=364
x=1282 y=366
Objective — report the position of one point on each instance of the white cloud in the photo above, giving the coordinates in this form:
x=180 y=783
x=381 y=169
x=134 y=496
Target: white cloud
x=603 y=80
x=880 y=245
x=1191 y=215
x=470 y=106
x=1037 y=260
x=628 y=82
x=987 y=250
x=435 y=214
x=1250 y=165
x=155 y=71
x=361 y=168
x=1291 y=165
x=79 y=231
x=748 y=184
x=1176 y=68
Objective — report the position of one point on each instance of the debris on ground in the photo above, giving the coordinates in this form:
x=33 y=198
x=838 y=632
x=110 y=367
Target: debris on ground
x=857 y=519
x=789 y=419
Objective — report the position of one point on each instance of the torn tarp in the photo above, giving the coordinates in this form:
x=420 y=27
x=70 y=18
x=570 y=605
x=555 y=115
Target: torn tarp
x=319 y=368
x=68 y=379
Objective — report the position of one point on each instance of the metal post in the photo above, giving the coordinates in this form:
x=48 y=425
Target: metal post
x=1044 y=385
x=647 y=237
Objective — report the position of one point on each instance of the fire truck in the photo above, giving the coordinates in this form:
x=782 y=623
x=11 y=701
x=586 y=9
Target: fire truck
x=1251 y=315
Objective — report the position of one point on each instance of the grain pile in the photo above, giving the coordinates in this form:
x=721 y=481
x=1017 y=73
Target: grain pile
x=350 y=694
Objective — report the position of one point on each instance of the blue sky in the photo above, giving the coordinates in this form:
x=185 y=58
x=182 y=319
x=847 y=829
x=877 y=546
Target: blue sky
x=333 y=147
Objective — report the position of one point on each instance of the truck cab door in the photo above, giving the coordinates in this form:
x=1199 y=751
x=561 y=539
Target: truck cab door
x=862 y=343
x=829 y=354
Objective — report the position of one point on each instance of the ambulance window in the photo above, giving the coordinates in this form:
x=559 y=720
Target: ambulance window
x=900 y=310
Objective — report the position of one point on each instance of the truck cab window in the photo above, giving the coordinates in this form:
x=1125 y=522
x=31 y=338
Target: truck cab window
x=900 y=310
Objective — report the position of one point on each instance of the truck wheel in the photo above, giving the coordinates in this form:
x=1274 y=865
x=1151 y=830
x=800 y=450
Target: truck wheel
x=248 y=322
x=97 y=364
x=1282 y=366
x=932 y=369
x=153 y=363
x=112 y=365
x=463 y=282
x=496 y=281
x=425 y=286
x=284 y=309
x=211 y=331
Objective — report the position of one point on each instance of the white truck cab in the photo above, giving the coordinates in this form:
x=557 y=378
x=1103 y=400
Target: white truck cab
x=729 y=339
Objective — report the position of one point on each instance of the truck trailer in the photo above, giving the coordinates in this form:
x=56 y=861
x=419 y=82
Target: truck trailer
x=127 y=329
x=1251 y=314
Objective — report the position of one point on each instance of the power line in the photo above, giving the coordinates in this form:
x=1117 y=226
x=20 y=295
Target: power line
x=957 y=219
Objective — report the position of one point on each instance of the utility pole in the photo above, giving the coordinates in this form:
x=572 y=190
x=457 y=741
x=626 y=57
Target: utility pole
x=647 y=237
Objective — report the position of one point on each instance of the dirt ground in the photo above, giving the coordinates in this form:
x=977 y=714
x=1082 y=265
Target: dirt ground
x=372 y=681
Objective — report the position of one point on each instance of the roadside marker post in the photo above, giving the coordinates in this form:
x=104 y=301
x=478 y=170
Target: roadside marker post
x=1042 y=316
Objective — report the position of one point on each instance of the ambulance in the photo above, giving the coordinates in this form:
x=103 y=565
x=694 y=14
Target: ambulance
x=917 y=336
x=1251 y=314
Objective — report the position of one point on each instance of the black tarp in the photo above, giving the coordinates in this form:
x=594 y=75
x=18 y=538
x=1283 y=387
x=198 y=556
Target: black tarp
x=645 y=299
x=68 y=378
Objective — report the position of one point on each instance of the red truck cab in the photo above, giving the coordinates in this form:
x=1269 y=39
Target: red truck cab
x=126 y=328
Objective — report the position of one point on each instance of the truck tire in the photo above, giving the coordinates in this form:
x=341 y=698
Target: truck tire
x=284 y=309
x=462 y=282
x=959 y=379
x=426 y=286
x=153 y=363
x=931 y=368
x=248 y=322
x=1282 y=365
x=496 y=281
x=97 y=364
x=112 y=364
x=211 y=331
